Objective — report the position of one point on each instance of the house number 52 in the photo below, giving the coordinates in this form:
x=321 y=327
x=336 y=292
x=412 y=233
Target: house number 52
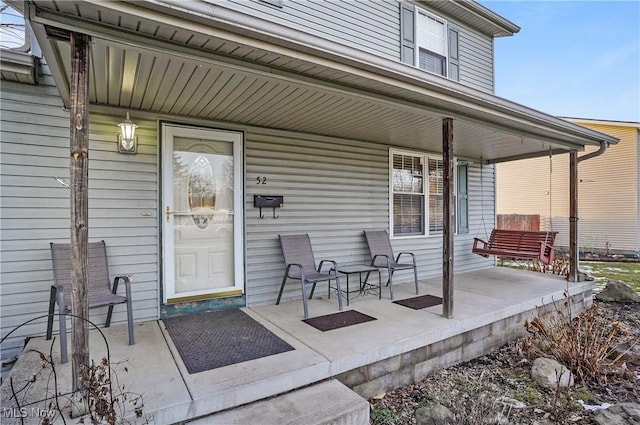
x=261 y=180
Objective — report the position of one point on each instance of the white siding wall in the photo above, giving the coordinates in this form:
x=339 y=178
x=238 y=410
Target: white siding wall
x=476 y=59
x=607 y=193
x=374 y=27
x=35 y=207
x=334 y=190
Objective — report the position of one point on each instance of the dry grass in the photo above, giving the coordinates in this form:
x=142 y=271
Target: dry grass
x=587 y=344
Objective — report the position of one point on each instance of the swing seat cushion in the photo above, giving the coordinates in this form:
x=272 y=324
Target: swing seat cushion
x=518 y=245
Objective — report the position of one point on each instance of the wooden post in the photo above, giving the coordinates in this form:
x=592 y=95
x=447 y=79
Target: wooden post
x=448 y=229
x=79 y=181
x=573 y=217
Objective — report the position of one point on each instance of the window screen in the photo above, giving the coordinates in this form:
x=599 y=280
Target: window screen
x=408 y=194
x=431 y=39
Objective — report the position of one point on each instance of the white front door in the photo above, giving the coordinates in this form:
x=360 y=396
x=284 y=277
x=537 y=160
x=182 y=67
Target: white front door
x=202 y=216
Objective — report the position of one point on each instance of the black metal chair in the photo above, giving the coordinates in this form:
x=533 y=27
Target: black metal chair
x=301 y=265
x=100 y=292
x=382 y=257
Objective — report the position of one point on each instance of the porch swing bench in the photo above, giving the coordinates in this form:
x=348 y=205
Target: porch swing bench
x=518 y=245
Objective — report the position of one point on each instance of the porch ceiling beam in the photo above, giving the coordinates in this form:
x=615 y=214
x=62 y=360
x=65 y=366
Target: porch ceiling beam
x=48 y=51
x=526 y=156
x=464 y=102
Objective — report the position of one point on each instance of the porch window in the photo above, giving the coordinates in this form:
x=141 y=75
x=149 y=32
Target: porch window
x=436 y=222
x=407 y=182
x=417 y=188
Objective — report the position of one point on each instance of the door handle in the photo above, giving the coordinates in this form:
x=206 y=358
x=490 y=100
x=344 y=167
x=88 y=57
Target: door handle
x=168 y=211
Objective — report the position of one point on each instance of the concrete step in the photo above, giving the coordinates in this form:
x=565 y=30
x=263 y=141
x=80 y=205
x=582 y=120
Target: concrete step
x=328 y=402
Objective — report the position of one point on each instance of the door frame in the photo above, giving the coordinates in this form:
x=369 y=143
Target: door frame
x=169 y=130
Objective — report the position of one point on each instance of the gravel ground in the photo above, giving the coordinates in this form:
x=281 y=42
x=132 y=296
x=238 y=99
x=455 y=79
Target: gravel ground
x=483 y=390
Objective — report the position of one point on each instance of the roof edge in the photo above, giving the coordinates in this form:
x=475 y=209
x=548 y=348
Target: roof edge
x=347 y=59
x=490 y=15
x=380 y=66
x=616 y=123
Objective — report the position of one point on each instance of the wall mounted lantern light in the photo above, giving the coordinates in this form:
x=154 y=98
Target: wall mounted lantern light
x=127 y=141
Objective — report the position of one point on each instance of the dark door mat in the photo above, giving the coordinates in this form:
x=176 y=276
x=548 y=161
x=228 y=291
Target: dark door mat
x=338 y=320
x=423 y=301
x=221 y=338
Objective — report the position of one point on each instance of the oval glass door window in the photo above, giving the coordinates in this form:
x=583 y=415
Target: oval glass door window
x=202 y=192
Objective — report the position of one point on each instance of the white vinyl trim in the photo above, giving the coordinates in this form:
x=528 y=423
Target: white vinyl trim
x=168 y=132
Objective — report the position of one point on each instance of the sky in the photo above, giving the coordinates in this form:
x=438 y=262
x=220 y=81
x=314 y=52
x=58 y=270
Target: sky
x=571 y=58
x=11 y=27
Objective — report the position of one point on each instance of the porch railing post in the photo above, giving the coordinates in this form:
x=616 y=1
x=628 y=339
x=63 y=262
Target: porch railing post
x=448 y=228
x=573 y=217
x=79 y=181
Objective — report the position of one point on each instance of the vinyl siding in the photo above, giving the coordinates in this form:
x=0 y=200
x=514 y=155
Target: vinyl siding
x=529 y=187
x=374 y=27
x=476 y=59
x=371 y=26
x=609 y=192
x=607 y=198
x=333 y=190
x=34 y=207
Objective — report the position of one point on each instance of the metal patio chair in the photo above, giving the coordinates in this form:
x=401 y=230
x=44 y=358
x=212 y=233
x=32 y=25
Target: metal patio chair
x=382 y=257
x=100 y=292
x=301 y=265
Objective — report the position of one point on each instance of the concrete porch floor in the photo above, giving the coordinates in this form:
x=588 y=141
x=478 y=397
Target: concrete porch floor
x=172 y=395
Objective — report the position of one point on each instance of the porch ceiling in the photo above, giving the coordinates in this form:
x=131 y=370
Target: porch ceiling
x=149 y=61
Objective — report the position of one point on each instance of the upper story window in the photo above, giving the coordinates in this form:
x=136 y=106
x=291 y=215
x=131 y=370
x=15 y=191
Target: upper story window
x=431 y=40
x=428 y=42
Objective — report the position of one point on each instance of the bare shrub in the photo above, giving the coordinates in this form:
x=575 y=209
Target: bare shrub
x=108 y=400
x=559 y=266
x=586 y=343
x=40 y=394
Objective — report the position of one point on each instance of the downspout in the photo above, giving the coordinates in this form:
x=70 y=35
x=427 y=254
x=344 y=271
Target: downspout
x=600 y=151
x=573 y=207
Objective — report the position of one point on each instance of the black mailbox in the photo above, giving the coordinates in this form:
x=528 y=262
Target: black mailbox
x=268 y=201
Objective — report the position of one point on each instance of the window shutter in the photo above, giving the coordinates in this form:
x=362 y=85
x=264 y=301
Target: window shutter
x=463 y=199
x=454 y=63
x=407 y=34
